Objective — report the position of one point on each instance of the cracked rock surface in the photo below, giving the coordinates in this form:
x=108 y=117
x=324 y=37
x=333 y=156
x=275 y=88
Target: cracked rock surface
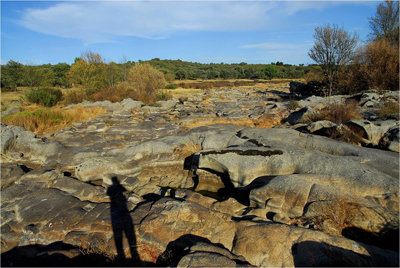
x=215 y=195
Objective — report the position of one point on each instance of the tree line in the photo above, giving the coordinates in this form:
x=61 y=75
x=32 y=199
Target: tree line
x=91 y=71
x=342 y=65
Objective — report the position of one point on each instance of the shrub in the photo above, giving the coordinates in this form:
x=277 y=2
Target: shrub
x=383 y=64
x=389 y=110
x=346 y=134
x=352 y=79
x=145 y=79
x=163 y=95
x=169 y=77
x=312 y=76
x=338 y=214
x=75 y=96
x=49 y=120
x=171 y=86
x=113 y=94
x=44 y=96
x=338 y=113
x=187 y=149
x=293 y=105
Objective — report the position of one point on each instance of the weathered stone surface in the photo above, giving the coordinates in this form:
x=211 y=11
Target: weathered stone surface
x=10 y=173
x=317 y=102
x=169 y=104
x=11 y=110
x=199 y=196
x=129 y=104
x=23 y=145
x=372 y=131
x=282 y=245
x=390 y=140
x=320 y=125
x=300 y=116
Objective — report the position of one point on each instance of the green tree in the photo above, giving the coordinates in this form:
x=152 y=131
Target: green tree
x=270 y=72
x=32 y=76
x=114 y=74
x=60 y=71
x=89 y=71
x=12 y=74
x=47 y=76
x=180 y=74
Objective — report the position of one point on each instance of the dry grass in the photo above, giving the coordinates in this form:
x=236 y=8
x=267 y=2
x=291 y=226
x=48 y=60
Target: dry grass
x=42 y=121
x=187 y=149
x=312 y=76
x=206 y=101
x=338 y=215
x=338 y=113
x=183 y=92
x=389 y=110
x=74 y=96
x=10 y=96
x=293 y=105
x=146 y=79
x=266 y=121
x=353 y=136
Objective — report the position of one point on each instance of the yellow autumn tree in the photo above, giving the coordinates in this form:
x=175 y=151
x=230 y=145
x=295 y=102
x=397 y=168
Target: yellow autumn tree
x=89 y=71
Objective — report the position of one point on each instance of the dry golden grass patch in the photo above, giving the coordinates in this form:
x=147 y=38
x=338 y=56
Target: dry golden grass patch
x=389 y=110
x=187 y=149
x=10 y=96
x=338 y=215
x=73 y=96
x=47 y=120
x=183 y=92
x=266 y=121
x=338 y=113
x=206 y=102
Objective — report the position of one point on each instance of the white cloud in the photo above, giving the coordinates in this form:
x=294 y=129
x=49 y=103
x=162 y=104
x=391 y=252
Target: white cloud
x=94 y=22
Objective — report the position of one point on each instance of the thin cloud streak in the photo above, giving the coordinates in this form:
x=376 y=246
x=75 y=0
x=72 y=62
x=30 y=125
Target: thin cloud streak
x=105 y=21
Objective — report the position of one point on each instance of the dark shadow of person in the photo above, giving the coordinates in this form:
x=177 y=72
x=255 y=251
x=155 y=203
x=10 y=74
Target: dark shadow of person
x=121 y=222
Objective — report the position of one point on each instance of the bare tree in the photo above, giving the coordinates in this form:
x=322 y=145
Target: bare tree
x=332 y=49
x=92 y=57
x=385 y=24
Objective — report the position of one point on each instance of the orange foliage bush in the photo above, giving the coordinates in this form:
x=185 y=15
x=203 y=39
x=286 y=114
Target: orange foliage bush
x=382 y=60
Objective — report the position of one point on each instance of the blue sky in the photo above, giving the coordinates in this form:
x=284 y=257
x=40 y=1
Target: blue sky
x=39 y=32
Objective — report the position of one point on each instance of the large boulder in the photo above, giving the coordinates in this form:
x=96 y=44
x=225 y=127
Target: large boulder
x=288 y=246
x=300 y=116
x=21 y=145
x=371 y=131
x=259 y=174
x=390 y=141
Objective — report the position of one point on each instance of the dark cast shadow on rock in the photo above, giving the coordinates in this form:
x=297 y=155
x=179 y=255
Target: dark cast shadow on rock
x=180 y=247
x=122 y=222
x=386 y=239
x=57 y=254
x=320 y=254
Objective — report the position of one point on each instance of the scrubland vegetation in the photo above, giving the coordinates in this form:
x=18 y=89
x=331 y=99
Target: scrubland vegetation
x=350 y=68
x=44 y=120
x=338 y=113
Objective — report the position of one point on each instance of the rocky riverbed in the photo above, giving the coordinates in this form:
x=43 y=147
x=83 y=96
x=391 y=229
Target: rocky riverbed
x=212 y=179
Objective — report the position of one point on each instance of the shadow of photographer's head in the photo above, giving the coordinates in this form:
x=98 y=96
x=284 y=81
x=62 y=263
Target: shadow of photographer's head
x=115 y=180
